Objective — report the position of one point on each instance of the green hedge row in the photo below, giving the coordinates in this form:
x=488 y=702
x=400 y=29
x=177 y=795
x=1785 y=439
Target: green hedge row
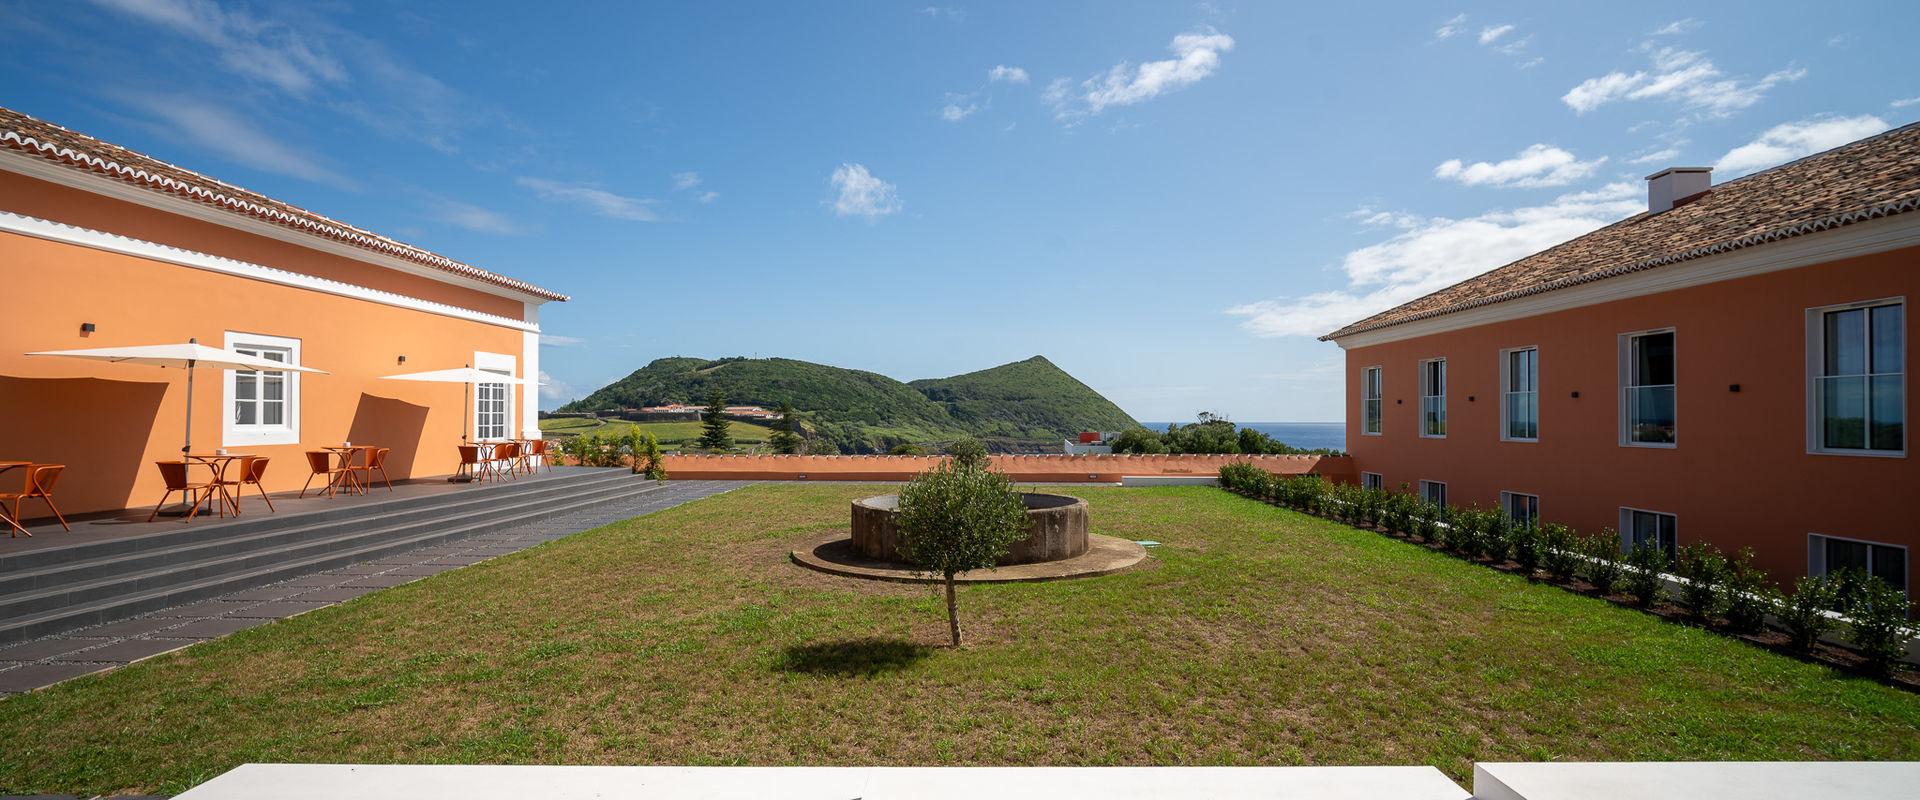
x=1716 y=589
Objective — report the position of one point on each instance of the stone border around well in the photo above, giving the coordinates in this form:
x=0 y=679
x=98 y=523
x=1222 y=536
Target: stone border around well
x=1106 y=555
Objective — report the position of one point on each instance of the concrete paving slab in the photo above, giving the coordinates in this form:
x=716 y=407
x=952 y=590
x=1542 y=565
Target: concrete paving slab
x=262 y=594
x=418 y=570
x=459 y=561
x=125 y=652
x=280 y=610
x=362 y=569
x=1747 y=780
x=331 y=595
x=204 y=608
x=43 y=649
x=395 y=782
x=322 y=579
x=380 y=581
x=35 y=676
x=123 y=629
x=210 y=628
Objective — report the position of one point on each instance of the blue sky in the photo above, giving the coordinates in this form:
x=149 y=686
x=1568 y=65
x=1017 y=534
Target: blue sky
x=1169 y=200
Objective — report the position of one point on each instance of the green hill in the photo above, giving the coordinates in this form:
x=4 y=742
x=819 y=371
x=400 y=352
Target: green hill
x=1031 y=398
x=1032 y=401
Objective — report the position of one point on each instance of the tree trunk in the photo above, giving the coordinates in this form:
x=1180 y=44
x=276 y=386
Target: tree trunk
x=953 y=613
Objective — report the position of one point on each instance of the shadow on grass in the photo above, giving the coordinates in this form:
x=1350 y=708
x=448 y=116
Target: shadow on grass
x=853 y=658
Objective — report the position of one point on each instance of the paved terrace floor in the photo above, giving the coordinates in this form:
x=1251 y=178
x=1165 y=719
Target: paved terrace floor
x=48 y=660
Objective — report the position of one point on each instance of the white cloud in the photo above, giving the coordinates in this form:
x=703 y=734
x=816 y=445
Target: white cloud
x=263 y=50
x=1663 y=155
x=556 y=340
x=1904 y=103
x=1788 y=141
x=686 y=180
x=1686 y=77
x=474 y=218
x=233 y=137
x=955 y=14
x=1678 y=27
x=1007 y=74
x=604 y=203
x=1492 y=33
x=1433 y=253
x=1451 y=28
x=958 y=107
x=1197 y=56
x=1535 y=167
x=862 y=195
x=709 y=197
x=552 y=388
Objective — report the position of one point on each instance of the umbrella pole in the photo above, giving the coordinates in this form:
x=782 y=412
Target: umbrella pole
x=187 y=447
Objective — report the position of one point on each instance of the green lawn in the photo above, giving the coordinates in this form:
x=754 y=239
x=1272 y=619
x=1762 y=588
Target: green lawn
x=1260 y=637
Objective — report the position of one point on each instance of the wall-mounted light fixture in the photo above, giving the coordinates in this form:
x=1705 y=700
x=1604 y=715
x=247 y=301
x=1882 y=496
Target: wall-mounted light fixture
x=1576 y=395
x=1469 y=398
x=403 y=359
x=86 y=327
x=1733 y=387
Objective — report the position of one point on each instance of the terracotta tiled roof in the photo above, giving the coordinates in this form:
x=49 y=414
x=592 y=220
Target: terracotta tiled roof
x=1875 y=177
x=82 y=152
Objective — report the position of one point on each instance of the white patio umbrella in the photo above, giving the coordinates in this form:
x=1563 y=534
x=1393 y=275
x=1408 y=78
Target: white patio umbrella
x=184 y=356
x=465 y=374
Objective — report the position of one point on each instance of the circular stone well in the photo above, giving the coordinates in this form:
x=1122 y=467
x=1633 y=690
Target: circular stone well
x=1056 y=529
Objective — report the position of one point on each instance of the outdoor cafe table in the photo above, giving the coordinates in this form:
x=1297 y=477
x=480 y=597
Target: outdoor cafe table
x=345 y=452
x=15 y=525
x=218 y=463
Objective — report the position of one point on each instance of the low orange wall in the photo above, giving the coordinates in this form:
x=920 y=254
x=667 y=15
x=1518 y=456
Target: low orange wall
x=1047 y=468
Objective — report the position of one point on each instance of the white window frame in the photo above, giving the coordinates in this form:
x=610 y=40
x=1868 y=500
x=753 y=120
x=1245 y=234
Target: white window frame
x=1816 y=365
x=1626 y=528
x=1372 y=480
x=1436 y=393
x=1817 y=555
x=233 y=434
x=1426 y=492
x=1373 y=399
x=1507 y=390
x=1506 y=507
x=504 y=364
x=1626 y=388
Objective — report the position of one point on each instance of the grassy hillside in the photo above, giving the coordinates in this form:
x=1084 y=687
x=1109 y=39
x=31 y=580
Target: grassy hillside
x=859 y=411
x=668 y=433
x=1025 y=398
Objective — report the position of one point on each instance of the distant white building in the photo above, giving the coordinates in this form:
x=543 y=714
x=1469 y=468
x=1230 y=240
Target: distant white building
x=1090 y=444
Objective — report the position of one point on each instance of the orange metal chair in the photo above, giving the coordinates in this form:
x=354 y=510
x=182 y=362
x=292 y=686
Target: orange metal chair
x=470 y=463
x=321 y=462
x=376 y=460
x=40 y=481
x=249 y=470
x=540 y=449
x=504 y=455
x=175 y=475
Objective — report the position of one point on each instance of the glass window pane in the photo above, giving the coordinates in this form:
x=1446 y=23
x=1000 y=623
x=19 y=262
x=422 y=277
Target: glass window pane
x=1889 y=412
x=1843 y=403
x=1890 y=564
x=1842 y=554
x=273 y=413
x=1887 y=345
x=273 y=388
x=1650 y=414
x=244 y=385
x=1846 y=343
x=243 y=413
x=1653 y=359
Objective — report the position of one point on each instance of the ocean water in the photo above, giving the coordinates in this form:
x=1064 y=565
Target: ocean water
x=1309 y=435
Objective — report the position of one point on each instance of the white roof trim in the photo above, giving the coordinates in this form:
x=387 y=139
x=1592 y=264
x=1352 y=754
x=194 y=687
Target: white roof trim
x=152 y=251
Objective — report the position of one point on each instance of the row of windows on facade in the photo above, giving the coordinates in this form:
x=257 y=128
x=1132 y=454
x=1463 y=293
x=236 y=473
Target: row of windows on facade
x=1825 y=554
x=1857 y=387
x=266 y=403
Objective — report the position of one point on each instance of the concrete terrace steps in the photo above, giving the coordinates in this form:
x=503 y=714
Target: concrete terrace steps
x=106 y=581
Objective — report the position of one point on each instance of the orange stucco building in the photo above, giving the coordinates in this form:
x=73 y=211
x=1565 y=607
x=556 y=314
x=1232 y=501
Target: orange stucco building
x=101 y=246
x=1728 y=366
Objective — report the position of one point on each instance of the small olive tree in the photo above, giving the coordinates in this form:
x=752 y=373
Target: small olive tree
x=968 y=452
x=955 y=518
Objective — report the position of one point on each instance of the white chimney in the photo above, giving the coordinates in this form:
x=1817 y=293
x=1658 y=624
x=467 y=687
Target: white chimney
x=1666 y=188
